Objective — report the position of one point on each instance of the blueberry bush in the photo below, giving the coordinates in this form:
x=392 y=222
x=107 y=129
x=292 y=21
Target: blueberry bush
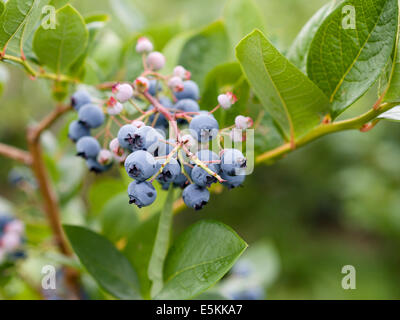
x=165 y=120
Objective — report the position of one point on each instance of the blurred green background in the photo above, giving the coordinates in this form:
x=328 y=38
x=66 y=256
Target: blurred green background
x=335 y=202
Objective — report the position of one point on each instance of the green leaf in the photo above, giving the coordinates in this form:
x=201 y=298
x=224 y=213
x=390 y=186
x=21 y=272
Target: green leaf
x=59 y=48
x=223 y=78
x=102 y=191
x=2 y=7
x=104 y=262
x=118 y=218
x=205 y=50
x=345 y=63
x=173 y=49
x=242 y=17
x=298 y=51
x=13 y=19
x=161 y=245
x=200 y=257
x=294 y=101
x=139 y=249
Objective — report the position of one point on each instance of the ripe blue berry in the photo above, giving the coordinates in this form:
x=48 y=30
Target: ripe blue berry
x=77 y=130
x=232 y=182
x=204 y=127
x=147 y=138
x=94 y=166
x=195 y=196
x=140 y=165
x=181 y=181
x=154 y=87
x=126 y=136
x=233 y=162
x=87 y=147
x=202 y=178
x=187 y=105
x=91 y=116
x=190 y=91
x=80 y=98
x=141 y=193
x=170 y=171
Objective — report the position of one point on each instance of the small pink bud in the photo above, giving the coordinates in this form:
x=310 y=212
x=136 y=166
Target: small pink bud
x=138 y=123
x=144 y=45
x=243 y=122
x=176 y=84
x=226 y=100
x=142 y=84
x=182 y=73
x=123 y=92
x=115 y=147
x=16 y=226
x=10 y=241
x=104 y=157
x=156 y=60
x=114 y=107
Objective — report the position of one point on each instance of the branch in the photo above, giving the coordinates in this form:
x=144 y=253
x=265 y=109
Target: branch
x=323 y=129
x=15 y=154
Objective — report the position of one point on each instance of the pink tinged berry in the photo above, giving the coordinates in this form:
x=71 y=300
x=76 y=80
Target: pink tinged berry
x=10 y=241
x=15 y=226
x=104 y=157
x=243 y=122
x=138 y=123
x=123 y=92
x=176 y=84
x=226 y=100
x=142 y=84
x=156 y=60
x=144 y=45
x=182 y=73
x=114 y=107
x=116 y=148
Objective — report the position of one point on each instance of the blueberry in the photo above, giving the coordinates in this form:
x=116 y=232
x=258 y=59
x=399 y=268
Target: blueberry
x=140 y=165
x=91 y=116
x=202 y=178
x=77 y=130
x=243 y=268
x=141 y=193
x=256 y=293
x=94 y=166
x=88 y=147
x=233 y=162
x=190 y=91
x=126 y=136
x=187 y=105
x=170 y=171
x=204 y=127
x=195 y=196
x=147 y=138
x=80 y=98
x=4 y=220
x=154 y=87
x=181 y=181
x=232 y=182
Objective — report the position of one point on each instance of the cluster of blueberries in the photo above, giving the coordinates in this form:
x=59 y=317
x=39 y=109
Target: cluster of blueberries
x=183 y=161
x=11 y=238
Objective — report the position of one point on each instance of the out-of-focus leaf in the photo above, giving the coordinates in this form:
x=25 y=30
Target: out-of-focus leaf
x=393 y=114
x=205 y=50
x=173 y=49
x=59 y=48
x=298 y=51
x=242 y=17
x=346 y=62
x=128 y=14
x=102 y=191
x=118 y=218
x=104 y=262
x=138 y=251
x=201 y=256
x=161 y=245
x=294 y=101
x=4 y=76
